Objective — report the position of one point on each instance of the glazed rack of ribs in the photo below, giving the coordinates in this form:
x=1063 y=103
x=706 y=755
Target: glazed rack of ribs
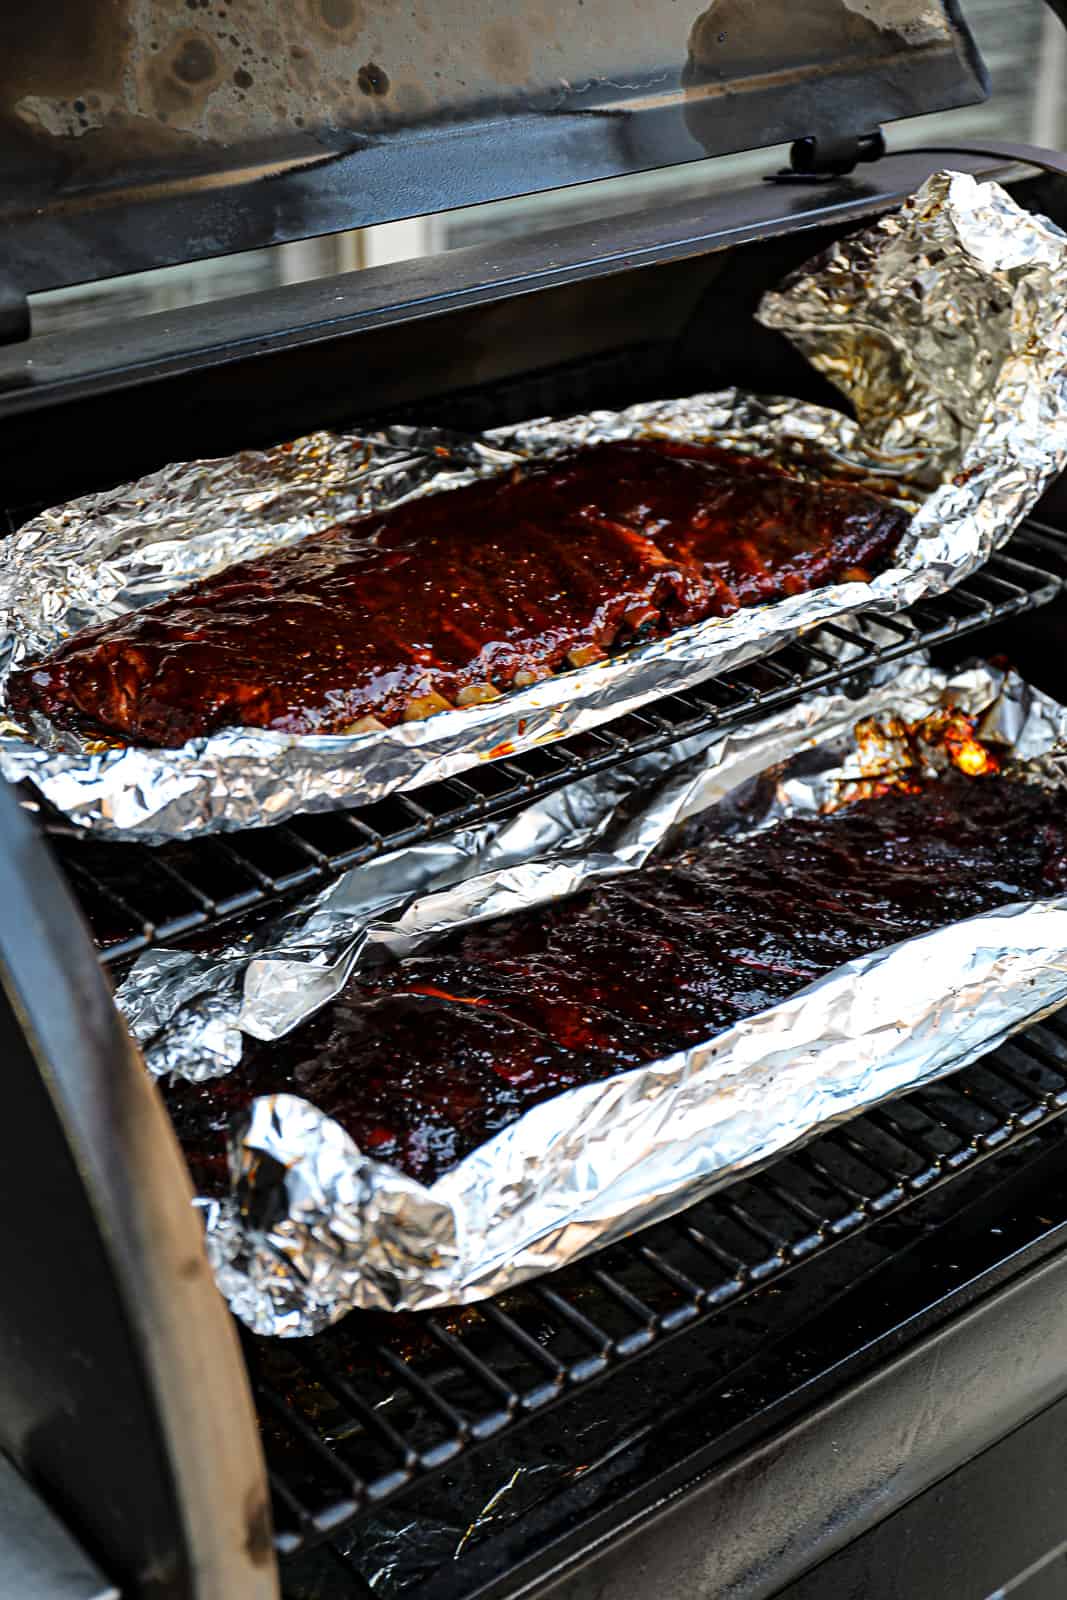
x=454 y=598
x=428 y=1059
x=137 y=895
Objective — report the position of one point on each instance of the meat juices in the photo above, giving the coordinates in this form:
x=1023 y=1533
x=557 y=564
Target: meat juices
x=442 y=1050
x=457 y=597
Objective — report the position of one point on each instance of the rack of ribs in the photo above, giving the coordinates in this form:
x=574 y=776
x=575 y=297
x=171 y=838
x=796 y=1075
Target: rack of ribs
x=427 y=1058
x=454 y=598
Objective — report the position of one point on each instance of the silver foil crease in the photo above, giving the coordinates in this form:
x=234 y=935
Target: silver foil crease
x=189 y=1012
x=944 y=324
x=319 y=1229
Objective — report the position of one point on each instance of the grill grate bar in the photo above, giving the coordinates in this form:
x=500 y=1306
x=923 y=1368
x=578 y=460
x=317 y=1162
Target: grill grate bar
x=504 y=1392
x=856 y=640
x=298 y=1526
x=927 y=1155
x=772 y=669
x=300 y=1431
x=796 y=1204
x=1039 y=535
x=891 y=1188
x=988 y=578
x=642 y=1314
x=575 y=1319
x=674 y=1276
x=1028 y=573
x=367 y=1417
x=949 y=1119
x=1034 y=1046
x=525 y=1344
x=732 y=1265
x=751 y=1225
x=827 y=657
x=856 y=1198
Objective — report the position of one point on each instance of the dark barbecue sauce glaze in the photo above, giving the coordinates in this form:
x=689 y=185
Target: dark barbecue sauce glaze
x=397 y=614
x=442 y=1050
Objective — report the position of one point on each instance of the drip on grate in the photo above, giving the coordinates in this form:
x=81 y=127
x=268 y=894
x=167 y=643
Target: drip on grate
x=135 y=896
x=377 y=1402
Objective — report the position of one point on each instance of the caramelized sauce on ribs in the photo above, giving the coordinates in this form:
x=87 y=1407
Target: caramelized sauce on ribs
x=434 y=1054
x=459 y=596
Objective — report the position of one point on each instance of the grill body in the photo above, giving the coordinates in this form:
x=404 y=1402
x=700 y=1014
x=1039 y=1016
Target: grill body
x=817 y=1383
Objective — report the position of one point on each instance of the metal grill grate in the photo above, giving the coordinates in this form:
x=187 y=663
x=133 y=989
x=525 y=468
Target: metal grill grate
x=136 y=896
x=354 y=1416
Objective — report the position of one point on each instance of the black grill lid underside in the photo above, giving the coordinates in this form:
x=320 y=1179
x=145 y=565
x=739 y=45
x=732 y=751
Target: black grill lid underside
x=139 y=133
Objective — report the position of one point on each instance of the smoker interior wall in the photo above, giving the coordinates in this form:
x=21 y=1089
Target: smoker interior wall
x=336 y=381
x=994 y=1527
x=665 y=329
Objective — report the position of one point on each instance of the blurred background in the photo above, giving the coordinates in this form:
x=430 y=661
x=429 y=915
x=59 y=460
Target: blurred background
x=1025 y=49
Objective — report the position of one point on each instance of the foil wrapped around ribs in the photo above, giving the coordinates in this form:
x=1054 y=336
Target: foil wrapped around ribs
x=424 y=1061
x=541 y=1037
x=942 y=324
x=449 y=600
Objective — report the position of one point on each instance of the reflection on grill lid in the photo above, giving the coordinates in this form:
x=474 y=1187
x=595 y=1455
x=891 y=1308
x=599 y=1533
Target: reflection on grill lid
x=140 y=133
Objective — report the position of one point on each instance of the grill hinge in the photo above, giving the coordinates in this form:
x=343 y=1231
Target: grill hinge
x=820 y=160
x=14 y=311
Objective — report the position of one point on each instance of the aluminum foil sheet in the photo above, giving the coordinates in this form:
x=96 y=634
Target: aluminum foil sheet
x=945 y=326
x=189 y=1012
x=319 y=1229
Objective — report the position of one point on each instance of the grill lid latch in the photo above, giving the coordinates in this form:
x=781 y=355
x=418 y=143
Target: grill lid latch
x=820 y=160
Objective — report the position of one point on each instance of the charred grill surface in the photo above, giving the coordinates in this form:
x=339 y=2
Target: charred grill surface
x=442 y=1050
x=458 y=597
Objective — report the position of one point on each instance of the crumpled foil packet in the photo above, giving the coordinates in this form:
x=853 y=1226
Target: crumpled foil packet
x=944 y=324
x=189 y=1012
x=312 y=1228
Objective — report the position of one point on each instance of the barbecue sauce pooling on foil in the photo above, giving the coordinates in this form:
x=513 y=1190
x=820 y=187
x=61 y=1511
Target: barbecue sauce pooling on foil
x=460 y=596
x=442 y=1050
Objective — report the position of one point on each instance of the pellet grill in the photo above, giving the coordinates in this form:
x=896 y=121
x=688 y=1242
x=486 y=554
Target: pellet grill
x=846 y=1376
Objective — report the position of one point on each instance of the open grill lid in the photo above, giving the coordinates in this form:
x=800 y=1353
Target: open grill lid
x=140 y=133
